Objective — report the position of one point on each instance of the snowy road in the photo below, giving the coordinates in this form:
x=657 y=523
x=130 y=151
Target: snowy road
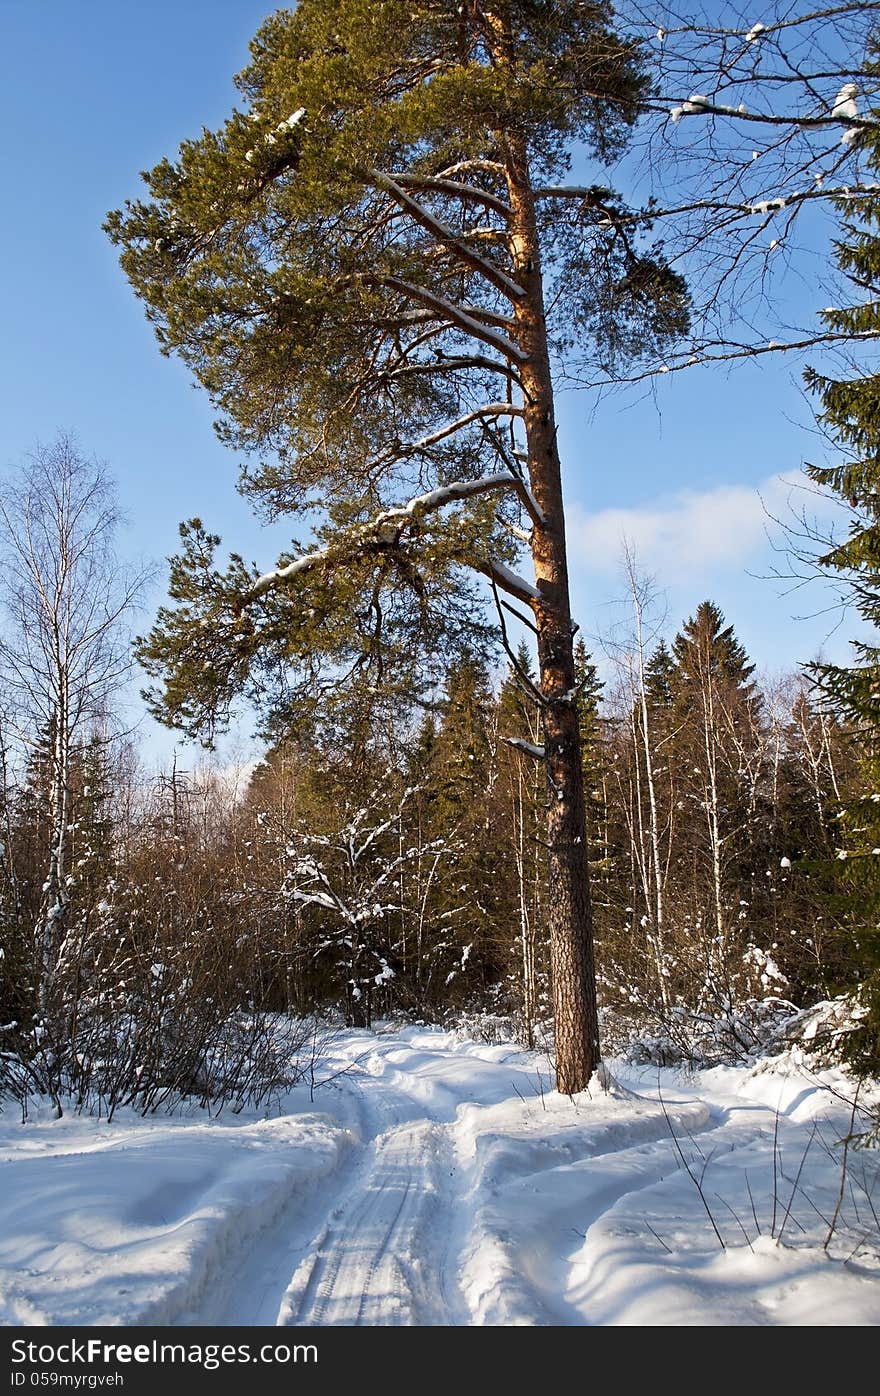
x=388 y=1249
x=435 y=1181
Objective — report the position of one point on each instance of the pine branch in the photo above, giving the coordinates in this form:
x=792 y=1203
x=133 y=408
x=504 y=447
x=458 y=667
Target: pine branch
x=457 y=316
x=455 y=190
x=399 y=451
x=448 y=237
x=390 y=520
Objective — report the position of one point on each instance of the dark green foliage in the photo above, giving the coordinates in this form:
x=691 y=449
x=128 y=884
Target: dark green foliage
x=93 y=842
x=466 y=816
x=370 y=271
x=594 y=746
x=359 y=608
x=659 y=676
x=259 y=255
x=276 y=259
x=705 y=651
x=716 y=836
x=589 y=692
x=850 y=412
x=462 y=751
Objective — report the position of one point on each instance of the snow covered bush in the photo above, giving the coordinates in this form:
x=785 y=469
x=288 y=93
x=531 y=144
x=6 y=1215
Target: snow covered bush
x=684 y=1037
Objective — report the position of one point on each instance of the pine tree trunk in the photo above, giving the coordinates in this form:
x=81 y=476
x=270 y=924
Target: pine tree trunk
x=569 y=913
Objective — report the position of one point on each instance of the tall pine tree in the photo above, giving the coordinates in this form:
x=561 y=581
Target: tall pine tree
x=371 y=269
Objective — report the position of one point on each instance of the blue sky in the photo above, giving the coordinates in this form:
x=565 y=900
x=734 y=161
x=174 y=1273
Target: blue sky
x=94 y=91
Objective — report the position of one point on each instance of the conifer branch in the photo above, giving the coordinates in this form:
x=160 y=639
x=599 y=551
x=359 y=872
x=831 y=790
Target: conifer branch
x=449 y=238
x=462 y=319
x=451 y=363
x=502 y=576
x=383 y=526
x=529 y=748
x=454 y=190
x=400 y=451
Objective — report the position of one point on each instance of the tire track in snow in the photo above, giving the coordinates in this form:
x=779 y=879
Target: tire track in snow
x=373 y=1246
x=244 y=1284
x=433 y=1182
x=517 y=1256
x=379 y=1259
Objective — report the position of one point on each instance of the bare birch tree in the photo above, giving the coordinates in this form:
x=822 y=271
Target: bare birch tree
x=63 y=650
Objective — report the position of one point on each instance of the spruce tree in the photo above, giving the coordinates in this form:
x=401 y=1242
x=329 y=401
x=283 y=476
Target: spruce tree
x=94 y=830
x=659 y=677
x=850 y=412
x=589 y=692
x=718 y=711
x=589 y=695
x=463 y=743
x=705 y=649
x=467 y=892
x=373 y=269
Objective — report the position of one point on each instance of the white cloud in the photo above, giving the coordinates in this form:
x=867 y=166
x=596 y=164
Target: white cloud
x=693 y=529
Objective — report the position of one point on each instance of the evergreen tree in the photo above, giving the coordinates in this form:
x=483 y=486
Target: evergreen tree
x=31 y=824
x=467 y=894
x=816 y=763
x=705 y=649
x=659 y=677
x=517 y=708
x=93 y=842
x=721 y=761
x=463 y=741
x=850 y=412
x=588 y=687
x=422 y=750
x=355 y=269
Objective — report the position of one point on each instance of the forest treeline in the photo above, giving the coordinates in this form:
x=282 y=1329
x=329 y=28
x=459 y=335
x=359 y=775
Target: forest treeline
x=386 y=858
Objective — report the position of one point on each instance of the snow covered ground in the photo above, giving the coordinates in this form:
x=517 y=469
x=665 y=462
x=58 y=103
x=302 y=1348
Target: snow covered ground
x=440 y=1181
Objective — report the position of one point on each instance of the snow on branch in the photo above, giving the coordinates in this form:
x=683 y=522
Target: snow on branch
x=357 y=853
x=399 y=450
x=791 y=19
x=533 y=508
x=493 y=167
x=507 y=580
x=697 y=104
x=423 y=216
x=735 y=208
x=529 y=748
x=322 y=899
x=388 y=522
x=451 y=363
x=724 y=352
x=455 y=190
x=448 y=494
x=458 y=317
